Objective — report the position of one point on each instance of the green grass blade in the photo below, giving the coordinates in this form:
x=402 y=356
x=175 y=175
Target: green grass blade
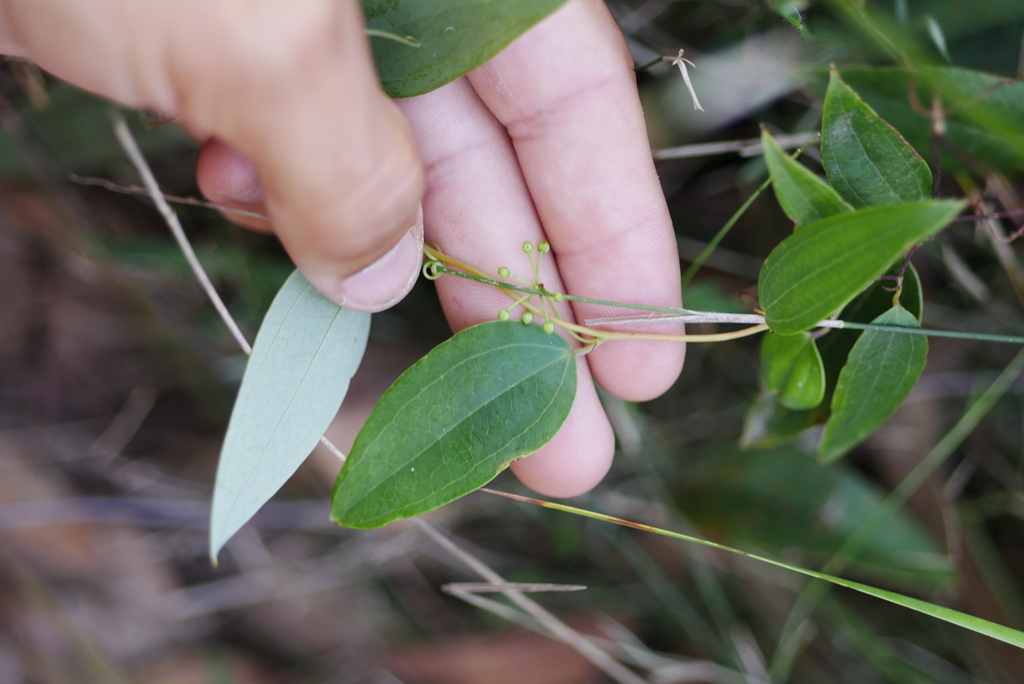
x=954 y=617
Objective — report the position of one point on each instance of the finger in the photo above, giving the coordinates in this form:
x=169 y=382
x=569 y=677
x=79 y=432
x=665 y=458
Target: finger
x=566 y=93
x=290 y=85
x=477 y=208
x=228 y=178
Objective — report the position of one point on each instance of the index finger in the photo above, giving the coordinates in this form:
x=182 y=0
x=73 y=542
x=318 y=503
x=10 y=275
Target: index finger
x=566 y=93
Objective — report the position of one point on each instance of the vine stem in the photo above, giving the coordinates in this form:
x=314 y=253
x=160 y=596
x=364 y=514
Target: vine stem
x=598 y=336
x=668 y=316
x=464 y=270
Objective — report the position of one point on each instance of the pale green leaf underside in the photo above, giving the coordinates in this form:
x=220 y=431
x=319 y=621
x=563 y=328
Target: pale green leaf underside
x=804 y=197
x=820 y=268
x=882 y=369
x=306 y=352
x=449 y=424
x=867 y=161
x=455 y=36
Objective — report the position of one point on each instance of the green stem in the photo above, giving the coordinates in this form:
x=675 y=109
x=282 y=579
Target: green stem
x=703 y=256
x=746 y=320
x=981 y=337
x=954 y=617
x=441 y=268
x=647 y=65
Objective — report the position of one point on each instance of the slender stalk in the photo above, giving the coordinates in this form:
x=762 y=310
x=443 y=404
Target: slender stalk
x=438 y=265
x=676 y=316
x=124 y=136
x=703 y=256
x=720 y=235
x=978 y=625
x=745 y=148
x=556 y=627
x=136 y=190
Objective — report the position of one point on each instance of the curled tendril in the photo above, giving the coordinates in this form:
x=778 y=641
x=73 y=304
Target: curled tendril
x=432 y=270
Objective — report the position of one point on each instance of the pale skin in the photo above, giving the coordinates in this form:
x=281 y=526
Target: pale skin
x=544 y=142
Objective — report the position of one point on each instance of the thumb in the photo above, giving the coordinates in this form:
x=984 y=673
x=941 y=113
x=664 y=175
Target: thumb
x=291 y=86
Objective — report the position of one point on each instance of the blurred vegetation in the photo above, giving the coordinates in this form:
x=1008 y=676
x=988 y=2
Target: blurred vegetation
x=117 y=379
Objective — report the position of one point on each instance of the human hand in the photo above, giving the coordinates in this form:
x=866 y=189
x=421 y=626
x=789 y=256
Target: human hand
x=289 y=84
x=546 y=141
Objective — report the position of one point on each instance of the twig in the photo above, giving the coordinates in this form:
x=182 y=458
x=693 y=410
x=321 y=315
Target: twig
x=138 y=190
x=459 y=588
x=131 y=148
x=745 y=148
x=556 y=627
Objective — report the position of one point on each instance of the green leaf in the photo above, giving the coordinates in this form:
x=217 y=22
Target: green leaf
x=984 y=113
x=768 y=423
x=820 y=268
x=305 y=353
x=449 y=424
x=835 y=345
x=867 y=161
x=882 y=369
x=793 y=370
x=804 y=197
x=455 y=36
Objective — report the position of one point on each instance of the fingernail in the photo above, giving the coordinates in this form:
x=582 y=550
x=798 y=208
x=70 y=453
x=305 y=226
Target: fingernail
x=386 y=281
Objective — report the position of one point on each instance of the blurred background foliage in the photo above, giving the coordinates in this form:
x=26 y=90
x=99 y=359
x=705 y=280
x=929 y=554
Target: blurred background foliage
x=116 y=380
